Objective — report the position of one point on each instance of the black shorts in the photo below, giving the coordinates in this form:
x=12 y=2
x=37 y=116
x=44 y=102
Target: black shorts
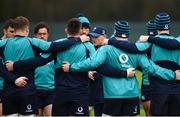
x=69 y=108
x=121 y=106
x=1 y=96
x=145 y=93
x=98 y=109
x=24 y=105
x=165 y=105
x=45 y=97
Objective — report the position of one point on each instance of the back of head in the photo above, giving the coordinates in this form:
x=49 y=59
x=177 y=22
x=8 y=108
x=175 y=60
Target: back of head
x=9 y=23
x=151 y=28
x=73 y=26
x=121 y=29
x=39 y=26
x=162 y=21
x=21 y=23
x=84 y=20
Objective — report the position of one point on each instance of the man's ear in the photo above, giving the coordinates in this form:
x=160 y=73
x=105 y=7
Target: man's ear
x=4 y=31
x=66 y=30
x=105 y=35
x=27 y=29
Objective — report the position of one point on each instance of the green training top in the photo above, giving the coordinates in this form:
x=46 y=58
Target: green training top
x=124 y=87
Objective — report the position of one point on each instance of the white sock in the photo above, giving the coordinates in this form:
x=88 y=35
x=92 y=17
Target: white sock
x=105 y=115
x=12 y=115
x=33 y=115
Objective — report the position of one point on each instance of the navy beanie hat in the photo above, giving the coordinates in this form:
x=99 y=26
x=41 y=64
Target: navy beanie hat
x=121 y=29
x=162 y=21
x=151 y=28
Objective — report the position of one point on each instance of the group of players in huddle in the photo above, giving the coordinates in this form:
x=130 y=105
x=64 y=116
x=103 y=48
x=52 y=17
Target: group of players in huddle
x=87 y=69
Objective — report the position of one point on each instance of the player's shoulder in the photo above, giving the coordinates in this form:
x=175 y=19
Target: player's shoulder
x=166 y=36
x=61 y=39
x=3 y=42
x=35 y=41
x=178 y=39
x=32 y=38
x=107 y=47
x=88 y=43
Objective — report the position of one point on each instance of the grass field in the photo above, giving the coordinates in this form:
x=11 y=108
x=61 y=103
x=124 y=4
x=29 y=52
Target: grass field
x=139 y=77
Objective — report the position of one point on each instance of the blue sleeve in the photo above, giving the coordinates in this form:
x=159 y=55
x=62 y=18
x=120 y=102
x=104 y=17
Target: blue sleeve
x=165 y=43
x=91 y=48
x=111 y=71
x=4 y=73
x=125 y=46
x=97 y=59
x=150 y=67
x=62 y=45
x=97 y=76
x=32 y=63
x=49 y=47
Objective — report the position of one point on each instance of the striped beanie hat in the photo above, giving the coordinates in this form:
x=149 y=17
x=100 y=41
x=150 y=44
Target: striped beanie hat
x=151 y=28
x=121 y=29
x=162 y=21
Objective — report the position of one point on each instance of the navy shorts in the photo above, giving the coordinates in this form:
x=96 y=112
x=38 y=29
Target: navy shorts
x=1 y=96
x=24 y=105
x=121 y=106
x=165 y=105
x=69 y=108
x=45 y=97
x=98 y=109
x=145 y=93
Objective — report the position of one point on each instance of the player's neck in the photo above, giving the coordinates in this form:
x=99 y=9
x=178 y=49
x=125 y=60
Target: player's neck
x=75 y=36
x=21 y=33
x=163 y=32
x=119 y=38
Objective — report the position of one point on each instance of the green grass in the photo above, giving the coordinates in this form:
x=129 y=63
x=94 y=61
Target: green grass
x=142 y=113
x=139 y=78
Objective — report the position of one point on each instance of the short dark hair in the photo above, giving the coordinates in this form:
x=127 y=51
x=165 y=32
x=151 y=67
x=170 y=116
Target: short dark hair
x=9 y=23
x=73 y=26
x=21 y=23
x=39 y=26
